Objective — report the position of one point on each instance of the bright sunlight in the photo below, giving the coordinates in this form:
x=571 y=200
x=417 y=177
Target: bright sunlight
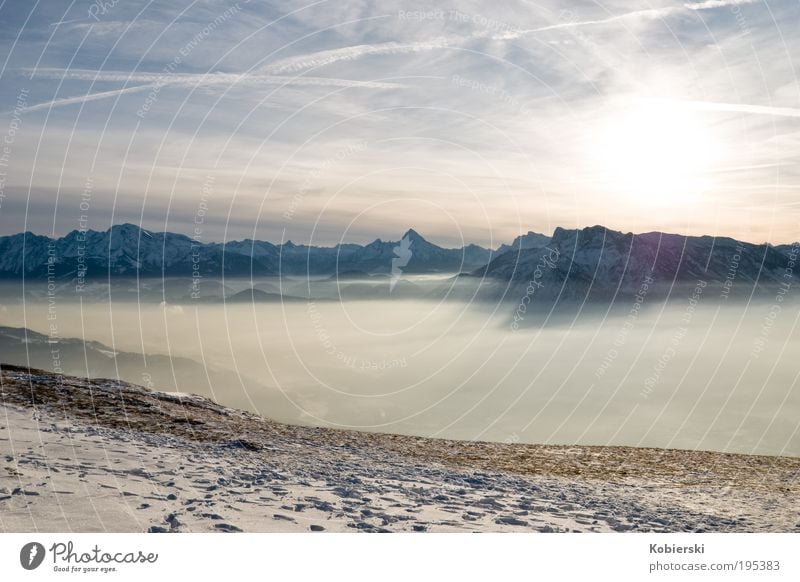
x=657 y=152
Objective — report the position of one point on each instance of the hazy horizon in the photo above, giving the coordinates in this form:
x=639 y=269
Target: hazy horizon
x=439 y=241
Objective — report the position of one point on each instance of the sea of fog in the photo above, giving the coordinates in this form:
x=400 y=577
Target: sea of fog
x=712 y=376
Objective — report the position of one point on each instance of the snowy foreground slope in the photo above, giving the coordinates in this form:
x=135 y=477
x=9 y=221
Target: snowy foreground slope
x=99 y=455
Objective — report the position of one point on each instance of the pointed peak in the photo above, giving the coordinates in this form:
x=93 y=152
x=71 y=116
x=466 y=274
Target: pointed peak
x=413 y=235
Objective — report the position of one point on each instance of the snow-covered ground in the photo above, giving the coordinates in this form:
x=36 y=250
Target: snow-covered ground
x=106 y=456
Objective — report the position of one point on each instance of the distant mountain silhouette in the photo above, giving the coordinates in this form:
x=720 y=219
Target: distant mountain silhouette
x=531 y=240
x=593 y=261
x=126 y=250
x=599 y=262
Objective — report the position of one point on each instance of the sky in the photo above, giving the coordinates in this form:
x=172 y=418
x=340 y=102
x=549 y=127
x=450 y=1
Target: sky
x=326 y=122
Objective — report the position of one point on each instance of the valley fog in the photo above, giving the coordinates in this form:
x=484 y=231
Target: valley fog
x=710 y=376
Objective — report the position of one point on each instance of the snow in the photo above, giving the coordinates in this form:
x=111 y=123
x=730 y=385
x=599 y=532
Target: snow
x=174 y=465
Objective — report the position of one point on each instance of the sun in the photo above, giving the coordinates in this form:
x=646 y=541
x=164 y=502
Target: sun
x=657 y=152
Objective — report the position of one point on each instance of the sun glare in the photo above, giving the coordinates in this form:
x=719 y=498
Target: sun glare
x=657 y=153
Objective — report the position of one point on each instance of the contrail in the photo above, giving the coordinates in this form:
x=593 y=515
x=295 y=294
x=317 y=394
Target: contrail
x=650 y=13
x=153 y=80
x=351 y=53
x=741 y=108
x=84 y=98
x=202 y=79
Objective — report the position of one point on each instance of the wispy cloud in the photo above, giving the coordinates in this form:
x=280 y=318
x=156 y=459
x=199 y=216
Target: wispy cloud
x=742 y=108
x=152 y=80
x=351 y=53
x=709 y=4
x=489 y=91
x=84 y=98
x=63 y=22
x=205 y=79
x=645 y=14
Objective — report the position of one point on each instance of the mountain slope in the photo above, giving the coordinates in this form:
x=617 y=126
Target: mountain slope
x=531 y=240
x=596 y=261
x=101 y=455
x=128 y=251
x=122 y=250
x=75 y=356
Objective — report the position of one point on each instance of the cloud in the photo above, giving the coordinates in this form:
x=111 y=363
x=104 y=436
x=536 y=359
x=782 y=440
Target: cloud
x=153 y=80
x=741 y=108
x=517 y=136
x=171 y=308
x=646 y=14
x=351 y=53
x=64 y=22
x=206 y=79
x=710 y=4
x=84 y=98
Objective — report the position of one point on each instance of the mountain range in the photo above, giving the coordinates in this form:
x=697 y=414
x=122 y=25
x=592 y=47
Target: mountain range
x=598 y=262
x=127 y=250
x=593 y=261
